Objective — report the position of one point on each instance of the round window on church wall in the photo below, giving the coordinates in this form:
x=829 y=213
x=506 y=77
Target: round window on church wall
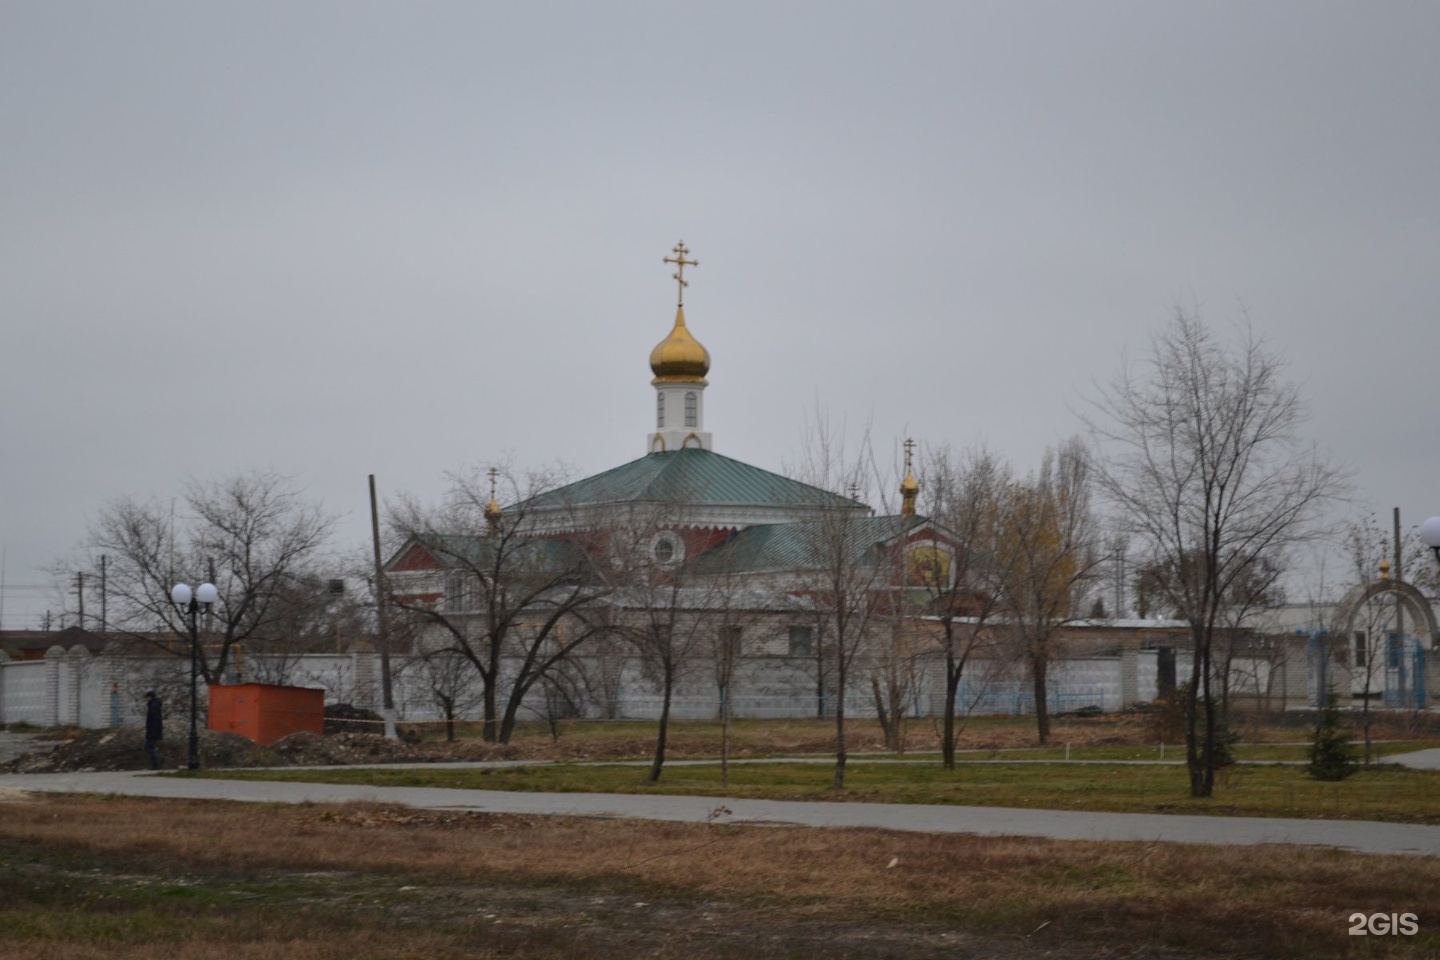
x=666 y=548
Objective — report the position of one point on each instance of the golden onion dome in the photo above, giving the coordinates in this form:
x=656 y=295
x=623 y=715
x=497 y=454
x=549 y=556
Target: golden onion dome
x=909 y=489
x=679 y=358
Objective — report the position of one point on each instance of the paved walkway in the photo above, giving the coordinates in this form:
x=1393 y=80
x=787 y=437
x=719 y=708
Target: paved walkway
x=1419 y=760
x=1359 y=836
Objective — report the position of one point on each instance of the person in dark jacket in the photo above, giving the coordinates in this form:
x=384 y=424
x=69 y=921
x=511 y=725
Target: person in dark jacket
x=154 y=728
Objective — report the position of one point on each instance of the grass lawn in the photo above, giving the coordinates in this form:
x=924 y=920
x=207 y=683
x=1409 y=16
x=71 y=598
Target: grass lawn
x=86 y=878
x=1296 y=752
x=1380 y=793
x=1259 y=786
x=127 y=879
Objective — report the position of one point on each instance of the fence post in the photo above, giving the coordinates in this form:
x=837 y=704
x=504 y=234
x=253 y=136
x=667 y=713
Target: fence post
x=1417 y=674
x=76 y=662
x=53 y=658
x=112 y=671
x=364 y=666
x=1129 y=676
x=1319 y=657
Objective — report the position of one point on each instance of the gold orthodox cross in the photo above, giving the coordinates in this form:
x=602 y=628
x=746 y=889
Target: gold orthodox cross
x=909 y=453
x=492 y=509
x=681 y=263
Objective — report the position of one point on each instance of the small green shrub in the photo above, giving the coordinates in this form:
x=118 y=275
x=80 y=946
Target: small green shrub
x=1332 y=756
x=1225 y=741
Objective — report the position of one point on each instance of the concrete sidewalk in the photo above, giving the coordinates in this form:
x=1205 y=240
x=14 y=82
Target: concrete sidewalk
x=1419 y=760
x=1358 y=836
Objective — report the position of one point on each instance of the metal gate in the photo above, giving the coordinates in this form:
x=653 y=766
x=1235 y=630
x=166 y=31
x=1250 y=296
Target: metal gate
x=1404 y=672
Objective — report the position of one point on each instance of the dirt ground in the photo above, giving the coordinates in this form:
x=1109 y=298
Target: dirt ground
x=119 y=748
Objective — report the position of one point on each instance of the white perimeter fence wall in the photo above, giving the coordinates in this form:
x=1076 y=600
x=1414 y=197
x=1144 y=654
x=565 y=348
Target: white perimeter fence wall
x=79 y=689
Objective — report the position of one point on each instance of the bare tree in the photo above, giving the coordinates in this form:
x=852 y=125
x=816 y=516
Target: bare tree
x=845 y=571
x=565 y=686
x=1239 y=619
x=253 y=535
x=725 y=655
x=662 y=609
x=1047 y=551
x=1207 y=469
x=1149 y=590
x=961 y=585
x=446 y=677
x=509 y=602
x=844 y=583
x=1245 y=603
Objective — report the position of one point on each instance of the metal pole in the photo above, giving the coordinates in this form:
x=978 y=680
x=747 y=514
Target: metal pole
x=1399 y=580
x=382 y=600
x=194 y=763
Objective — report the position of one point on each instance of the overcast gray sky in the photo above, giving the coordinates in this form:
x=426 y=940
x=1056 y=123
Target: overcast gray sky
x=332 y=239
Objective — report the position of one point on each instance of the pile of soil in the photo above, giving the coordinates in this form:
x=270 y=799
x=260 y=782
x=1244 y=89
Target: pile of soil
x=352 y=736
x=333 y=750
x=120 y=748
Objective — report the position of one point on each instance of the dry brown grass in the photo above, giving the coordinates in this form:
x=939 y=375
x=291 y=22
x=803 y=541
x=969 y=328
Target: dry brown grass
x=392 y=882
x=589 y=740
x=592 y=740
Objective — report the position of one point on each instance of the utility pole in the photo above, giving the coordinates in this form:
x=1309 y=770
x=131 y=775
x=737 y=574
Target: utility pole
x=1119 y=545
x=80 y=597
x=1399 y=579
x=382 y=618
x=210 y=607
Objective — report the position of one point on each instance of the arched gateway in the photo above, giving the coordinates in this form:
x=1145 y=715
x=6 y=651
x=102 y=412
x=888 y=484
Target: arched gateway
x=1414 y=601
x=1400 y=667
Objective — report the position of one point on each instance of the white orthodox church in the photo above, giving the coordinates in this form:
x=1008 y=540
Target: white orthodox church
x=699 y=518
x=699 y=500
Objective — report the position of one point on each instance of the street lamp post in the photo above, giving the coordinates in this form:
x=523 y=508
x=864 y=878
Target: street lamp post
x=1430 y=533
x=189 y=601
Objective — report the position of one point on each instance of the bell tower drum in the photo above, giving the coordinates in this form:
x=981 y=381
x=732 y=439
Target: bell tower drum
x=679 y=364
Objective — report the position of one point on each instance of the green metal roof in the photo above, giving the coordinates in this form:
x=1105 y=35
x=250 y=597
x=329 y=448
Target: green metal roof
x=803 y=545
x=479 y=553
x=690 y=476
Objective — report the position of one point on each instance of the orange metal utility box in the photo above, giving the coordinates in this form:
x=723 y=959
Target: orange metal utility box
x=265 y=712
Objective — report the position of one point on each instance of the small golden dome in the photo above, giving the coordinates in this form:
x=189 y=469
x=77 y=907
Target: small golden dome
x=909 y=489
x=492 y=509
x=679 y=358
